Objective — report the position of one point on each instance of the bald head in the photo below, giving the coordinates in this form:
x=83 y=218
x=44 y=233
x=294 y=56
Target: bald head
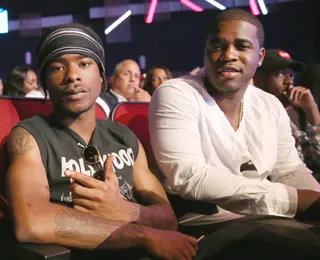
x=126 y=79
x=124 y=64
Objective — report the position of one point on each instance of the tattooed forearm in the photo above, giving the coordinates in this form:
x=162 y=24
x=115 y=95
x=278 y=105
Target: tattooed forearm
x=92 y=232
x=72 y=224
x=135 y=212
x=19 y=142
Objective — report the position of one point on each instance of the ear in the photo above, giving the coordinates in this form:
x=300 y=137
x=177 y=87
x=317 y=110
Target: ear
x=262 y=53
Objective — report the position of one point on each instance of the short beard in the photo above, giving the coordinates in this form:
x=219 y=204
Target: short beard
x=71 y=114
x=212 y=90
x=227 y=91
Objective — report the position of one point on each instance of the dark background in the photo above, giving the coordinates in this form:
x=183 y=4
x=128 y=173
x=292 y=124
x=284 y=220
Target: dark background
x=176 y=42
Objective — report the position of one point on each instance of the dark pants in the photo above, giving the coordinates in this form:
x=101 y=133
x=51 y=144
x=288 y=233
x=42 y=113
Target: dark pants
x=260 y=238
x=134 y=254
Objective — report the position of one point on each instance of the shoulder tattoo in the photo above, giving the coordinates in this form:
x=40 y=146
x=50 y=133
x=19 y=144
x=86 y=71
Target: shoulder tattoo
x=19 y=142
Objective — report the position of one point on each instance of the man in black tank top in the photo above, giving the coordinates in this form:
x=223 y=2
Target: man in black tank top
x=53 y=197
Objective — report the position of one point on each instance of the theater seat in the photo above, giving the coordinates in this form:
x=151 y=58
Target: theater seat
x=8 y=118
x=134 y=115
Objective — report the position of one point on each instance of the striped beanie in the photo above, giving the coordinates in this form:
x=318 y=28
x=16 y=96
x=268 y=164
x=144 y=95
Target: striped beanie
x=69 y=39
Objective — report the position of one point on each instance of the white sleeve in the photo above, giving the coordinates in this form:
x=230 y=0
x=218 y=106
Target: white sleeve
x=175 y=139
x=289 y=168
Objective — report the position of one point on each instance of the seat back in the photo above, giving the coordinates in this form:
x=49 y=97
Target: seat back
x=8 y=119
x=134 y=115
x=28 y=107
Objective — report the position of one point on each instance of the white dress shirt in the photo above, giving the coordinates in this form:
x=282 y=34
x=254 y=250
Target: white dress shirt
x=201 y=154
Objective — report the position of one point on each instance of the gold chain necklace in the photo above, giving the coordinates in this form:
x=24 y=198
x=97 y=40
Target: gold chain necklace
x=241 y=110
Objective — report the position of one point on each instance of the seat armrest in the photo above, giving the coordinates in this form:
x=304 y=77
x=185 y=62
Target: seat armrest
x=45 y=251
x=27 y=251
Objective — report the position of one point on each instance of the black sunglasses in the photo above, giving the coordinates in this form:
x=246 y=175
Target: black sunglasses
x=91 y=156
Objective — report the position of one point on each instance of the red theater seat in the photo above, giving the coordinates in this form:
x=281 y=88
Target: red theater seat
x=33 y=106
x=134 y=115
x=8 y=118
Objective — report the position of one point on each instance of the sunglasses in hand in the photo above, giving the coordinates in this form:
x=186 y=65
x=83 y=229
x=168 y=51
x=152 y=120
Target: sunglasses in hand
x=91 y=156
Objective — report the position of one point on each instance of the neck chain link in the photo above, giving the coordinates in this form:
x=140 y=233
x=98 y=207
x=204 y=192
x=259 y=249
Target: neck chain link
x=241 y=110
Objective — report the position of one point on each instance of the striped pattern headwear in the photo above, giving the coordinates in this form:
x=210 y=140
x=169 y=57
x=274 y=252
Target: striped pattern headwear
x=69 y=39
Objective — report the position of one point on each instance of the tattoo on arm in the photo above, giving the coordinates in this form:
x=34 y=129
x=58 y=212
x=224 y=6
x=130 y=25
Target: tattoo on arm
x=135 y=212
x=98 y=233
x=19 y=142
x=72 y=224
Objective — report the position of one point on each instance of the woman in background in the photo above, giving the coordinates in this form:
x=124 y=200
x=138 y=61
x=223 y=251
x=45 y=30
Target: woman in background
x=21 y=81
x=155 y=76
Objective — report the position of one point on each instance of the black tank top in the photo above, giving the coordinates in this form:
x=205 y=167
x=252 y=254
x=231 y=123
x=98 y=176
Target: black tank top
x=61 y=148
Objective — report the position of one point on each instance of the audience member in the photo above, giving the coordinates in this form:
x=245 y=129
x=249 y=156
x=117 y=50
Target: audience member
x=21 y=81
x=277 y=76
x=125 y=83
x=155 y=77
x=51 y=192
x=219 y=139
x=310 y=78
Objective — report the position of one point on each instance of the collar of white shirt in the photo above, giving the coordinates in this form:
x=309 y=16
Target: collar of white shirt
x=119 y=97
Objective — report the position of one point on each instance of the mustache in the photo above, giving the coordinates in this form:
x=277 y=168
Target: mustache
x=73 y=90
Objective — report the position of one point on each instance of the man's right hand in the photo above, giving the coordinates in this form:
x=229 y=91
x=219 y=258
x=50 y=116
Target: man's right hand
x=100 y=198
x=141 y=95
x=171 y=245
x=300 y=97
